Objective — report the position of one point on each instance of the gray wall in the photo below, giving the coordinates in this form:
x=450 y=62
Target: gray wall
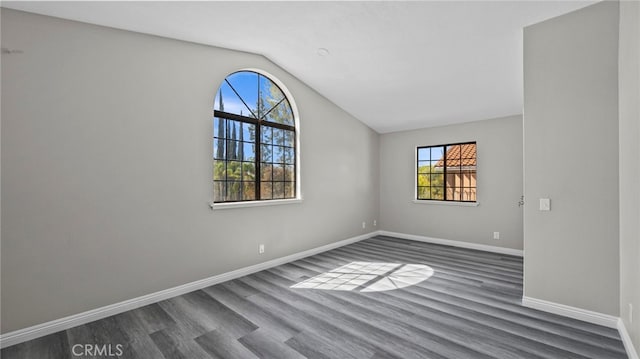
x=571 y=156
x=499 y=152
x=629 y=85
x=106 y=169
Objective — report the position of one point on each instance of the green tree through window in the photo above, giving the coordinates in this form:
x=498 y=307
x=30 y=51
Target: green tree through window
x=254 y=147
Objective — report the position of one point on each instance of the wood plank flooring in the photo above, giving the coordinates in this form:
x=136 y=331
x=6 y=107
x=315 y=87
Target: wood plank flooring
x=330 y=306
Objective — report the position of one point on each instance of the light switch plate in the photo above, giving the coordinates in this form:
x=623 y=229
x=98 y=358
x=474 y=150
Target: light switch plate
x=545 y=204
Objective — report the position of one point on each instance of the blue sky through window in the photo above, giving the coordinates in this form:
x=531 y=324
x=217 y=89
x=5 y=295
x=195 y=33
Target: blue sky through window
x=431 y=154
x=246 y=84
x=248 y=87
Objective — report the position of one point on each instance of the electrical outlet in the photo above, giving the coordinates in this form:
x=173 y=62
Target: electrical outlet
x=261 y=249
x=496 y=235
x=630 y=313
x=364 y=225
x=375 y=223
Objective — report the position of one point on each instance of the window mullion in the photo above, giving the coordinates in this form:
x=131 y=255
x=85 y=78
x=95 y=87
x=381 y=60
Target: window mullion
x=444 y=151
x=226 y=160
x=258 y=179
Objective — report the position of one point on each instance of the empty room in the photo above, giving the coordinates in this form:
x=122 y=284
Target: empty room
x=320 y=179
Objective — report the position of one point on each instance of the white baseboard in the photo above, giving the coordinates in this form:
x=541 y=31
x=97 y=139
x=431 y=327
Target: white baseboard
x=448 y=242
x=626 y=340
x=57 y=325
x=571 y=312
x=587 y=316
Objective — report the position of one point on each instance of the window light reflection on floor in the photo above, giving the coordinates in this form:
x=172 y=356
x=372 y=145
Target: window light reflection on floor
x=368 y=277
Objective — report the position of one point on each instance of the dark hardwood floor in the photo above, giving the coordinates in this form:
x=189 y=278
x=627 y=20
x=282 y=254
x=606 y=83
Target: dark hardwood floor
x=378 y=298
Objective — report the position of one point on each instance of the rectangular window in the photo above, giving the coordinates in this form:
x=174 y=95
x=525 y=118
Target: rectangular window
x=446 y=172
x=239 y=154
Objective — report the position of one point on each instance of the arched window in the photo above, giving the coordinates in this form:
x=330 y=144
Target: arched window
x=254 y=140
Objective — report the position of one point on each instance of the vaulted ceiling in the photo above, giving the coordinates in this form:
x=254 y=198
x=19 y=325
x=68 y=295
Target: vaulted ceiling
x=394 y=65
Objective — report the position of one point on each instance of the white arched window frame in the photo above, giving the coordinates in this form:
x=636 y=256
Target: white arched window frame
x=258 y=170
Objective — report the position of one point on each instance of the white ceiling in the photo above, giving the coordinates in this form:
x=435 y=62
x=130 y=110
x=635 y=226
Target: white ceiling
x=393 y=65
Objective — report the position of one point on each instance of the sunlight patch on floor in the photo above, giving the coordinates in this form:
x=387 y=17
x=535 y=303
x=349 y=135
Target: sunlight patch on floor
x=368 y=277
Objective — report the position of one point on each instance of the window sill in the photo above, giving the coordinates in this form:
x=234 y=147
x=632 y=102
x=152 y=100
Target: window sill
x=446 y=203
x=275 y=202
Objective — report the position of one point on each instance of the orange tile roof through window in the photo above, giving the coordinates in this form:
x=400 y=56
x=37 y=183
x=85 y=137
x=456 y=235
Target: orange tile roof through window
x=468 y=157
